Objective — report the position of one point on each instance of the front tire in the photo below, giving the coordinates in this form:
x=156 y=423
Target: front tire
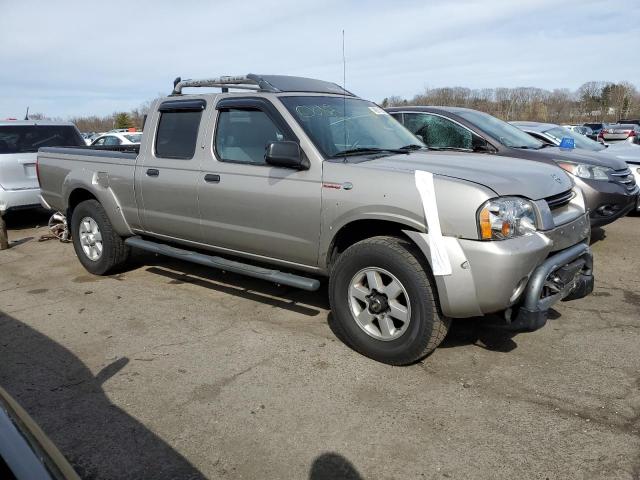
x=382 y=298
x=98 y=247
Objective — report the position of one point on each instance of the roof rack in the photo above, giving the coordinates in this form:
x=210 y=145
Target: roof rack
x=241 y=82
x=262 y=83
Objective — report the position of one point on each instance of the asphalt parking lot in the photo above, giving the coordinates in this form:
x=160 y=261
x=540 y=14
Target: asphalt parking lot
x=173 y=371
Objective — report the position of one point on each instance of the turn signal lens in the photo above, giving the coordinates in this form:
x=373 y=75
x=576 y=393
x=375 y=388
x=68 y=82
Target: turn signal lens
x=485 y=224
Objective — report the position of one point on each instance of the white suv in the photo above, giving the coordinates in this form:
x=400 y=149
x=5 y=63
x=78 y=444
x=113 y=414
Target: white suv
x=19 y=144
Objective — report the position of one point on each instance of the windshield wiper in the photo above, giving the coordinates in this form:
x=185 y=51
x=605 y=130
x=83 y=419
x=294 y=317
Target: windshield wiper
x=413 y=146
x=365 y=150
x=455 y=149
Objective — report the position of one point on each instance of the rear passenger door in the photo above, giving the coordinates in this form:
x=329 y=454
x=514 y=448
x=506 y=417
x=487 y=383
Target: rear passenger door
x=248 y=206
x=168 y=174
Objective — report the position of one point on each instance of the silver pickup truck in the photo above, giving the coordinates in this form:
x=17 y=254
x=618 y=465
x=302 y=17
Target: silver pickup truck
x=293 y=179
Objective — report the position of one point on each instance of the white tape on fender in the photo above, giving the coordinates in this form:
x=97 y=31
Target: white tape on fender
x=440 y=263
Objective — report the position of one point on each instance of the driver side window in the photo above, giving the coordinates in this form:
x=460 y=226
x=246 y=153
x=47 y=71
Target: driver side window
x=243 y=134
x=438 y=132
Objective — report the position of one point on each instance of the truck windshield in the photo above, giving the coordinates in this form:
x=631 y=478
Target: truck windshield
x=506 y=134
x=29 y=138
x=349 y=126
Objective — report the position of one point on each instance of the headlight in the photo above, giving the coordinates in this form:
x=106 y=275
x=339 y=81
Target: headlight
x=506 y=217
x=583 y=170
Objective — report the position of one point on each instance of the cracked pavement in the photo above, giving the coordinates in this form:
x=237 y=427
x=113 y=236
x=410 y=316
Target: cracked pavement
x=170 y=370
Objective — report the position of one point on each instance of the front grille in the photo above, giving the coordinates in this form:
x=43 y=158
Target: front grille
x=560 y=200
x=625 y=178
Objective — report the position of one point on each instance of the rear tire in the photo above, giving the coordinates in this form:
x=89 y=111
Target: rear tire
x=387 y=326
x=98 y=247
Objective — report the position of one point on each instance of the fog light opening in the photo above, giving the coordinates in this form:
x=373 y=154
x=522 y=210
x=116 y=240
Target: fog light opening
x=518 y=290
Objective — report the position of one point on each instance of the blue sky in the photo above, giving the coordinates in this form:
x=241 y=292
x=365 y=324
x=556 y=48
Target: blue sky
x=68 y=57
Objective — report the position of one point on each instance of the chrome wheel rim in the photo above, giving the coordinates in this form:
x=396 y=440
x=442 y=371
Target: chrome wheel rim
x=90 y=238
x=379 y=303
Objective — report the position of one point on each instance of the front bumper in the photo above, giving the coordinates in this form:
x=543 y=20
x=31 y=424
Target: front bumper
x=566 y=275
x=492 y=276
x=606 y=201
x=18 y=199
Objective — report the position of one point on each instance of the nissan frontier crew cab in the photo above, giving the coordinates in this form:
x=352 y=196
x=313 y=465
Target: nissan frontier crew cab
x=293 y=179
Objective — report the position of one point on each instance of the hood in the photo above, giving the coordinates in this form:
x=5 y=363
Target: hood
x=601 y=158
x=625 y=151
x=503 y=175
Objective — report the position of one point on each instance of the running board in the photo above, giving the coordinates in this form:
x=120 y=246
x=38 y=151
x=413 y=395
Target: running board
x=274 y=276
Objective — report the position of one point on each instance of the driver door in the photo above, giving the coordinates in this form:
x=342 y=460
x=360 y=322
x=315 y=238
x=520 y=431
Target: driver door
x=248 y=206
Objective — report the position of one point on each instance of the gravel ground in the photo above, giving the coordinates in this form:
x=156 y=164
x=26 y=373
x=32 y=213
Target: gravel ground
x=172 y=371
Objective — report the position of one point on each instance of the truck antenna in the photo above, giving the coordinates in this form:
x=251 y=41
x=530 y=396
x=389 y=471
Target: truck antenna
x=344 y=95
x=26 y=115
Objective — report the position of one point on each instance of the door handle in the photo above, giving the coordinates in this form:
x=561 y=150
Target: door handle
x=212 y=178
x=153 y=172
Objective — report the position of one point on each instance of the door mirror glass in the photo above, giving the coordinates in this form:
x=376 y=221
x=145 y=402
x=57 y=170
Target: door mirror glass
x=285 y=154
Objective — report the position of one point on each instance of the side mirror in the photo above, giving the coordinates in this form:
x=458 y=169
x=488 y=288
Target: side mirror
x=479 y=144
x=285 y=154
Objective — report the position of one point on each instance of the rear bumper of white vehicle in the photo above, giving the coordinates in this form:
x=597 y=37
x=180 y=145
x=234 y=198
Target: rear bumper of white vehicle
x=16 y=199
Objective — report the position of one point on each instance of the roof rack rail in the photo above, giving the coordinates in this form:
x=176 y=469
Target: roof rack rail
x=262 y=83
x=242 y=82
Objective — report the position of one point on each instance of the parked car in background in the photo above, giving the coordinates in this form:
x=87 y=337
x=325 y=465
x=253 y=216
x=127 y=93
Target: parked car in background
x=26 y=453
x=303 y=176
x=553 y=134
x=615 y=132
x=634 y=121
x=86 y=137
x=595 y=129
x=608 y=185
x=581 y=129
x=113 y=139
x=19 y=142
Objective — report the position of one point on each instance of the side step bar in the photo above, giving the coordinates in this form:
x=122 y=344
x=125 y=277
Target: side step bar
x=274 y=276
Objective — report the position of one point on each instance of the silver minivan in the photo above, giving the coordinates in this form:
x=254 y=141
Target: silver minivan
x=19 y=144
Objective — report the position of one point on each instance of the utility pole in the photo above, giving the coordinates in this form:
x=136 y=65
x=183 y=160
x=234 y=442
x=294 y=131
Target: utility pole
x=4 y=238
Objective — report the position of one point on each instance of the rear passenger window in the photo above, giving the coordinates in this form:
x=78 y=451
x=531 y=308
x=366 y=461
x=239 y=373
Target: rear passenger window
x=242 y=135
x=177 y=134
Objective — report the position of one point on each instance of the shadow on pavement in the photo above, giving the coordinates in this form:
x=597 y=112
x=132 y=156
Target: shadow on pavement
x=25 y=219
x=333 y=466
x=473 y=331
x=281 y=296
x=477 y=331
x=61 y=394
x=597 y=235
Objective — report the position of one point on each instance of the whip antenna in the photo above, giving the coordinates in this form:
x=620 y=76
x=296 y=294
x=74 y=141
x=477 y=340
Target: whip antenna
x=344 y=95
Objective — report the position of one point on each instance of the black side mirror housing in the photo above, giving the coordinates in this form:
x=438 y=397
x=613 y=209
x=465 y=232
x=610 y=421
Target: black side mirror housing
x=286 y=154
x=479 y=144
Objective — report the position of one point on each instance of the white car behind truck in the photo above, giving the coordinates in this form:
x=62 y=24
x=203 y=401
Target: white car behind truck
x=19 y=144
x=298 y=179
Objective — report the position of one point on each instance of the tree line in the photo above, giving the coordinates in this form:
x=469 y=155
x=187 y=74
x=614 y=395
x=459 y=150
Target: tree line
x=592 y=102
